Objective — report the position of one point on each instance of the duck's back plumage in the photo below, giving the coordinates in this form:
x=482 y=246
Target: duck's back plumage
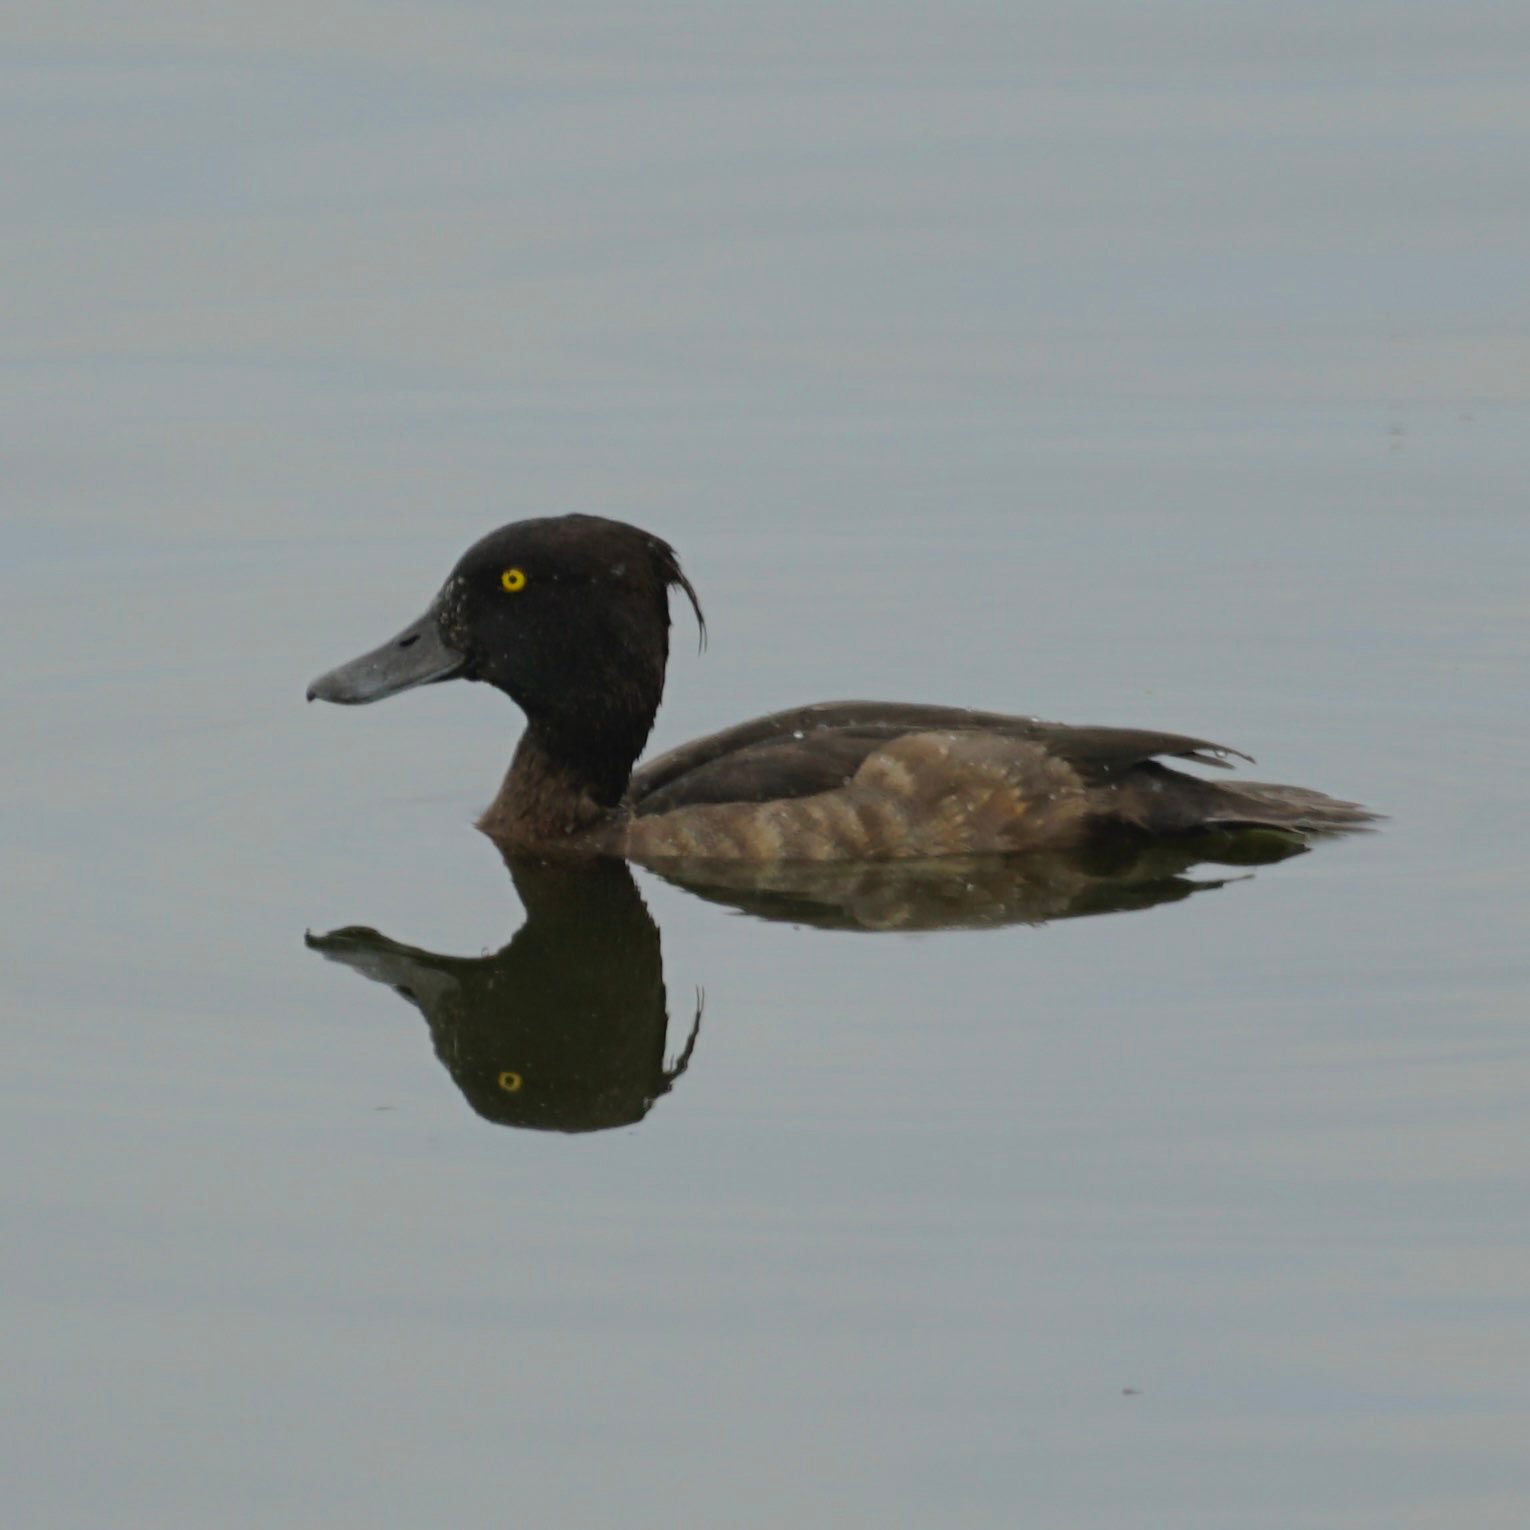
x=813 y=748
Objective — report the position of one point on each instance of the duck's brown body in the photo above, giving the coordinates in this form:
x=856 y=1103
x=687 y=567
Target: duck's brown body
x=570 y=617
x=881 y=781
x=926 y=794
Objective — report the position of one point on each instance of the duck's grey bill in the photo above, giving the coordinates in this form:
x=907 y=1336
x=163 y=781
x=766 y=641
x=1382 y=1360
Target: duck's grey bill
x=417 y=656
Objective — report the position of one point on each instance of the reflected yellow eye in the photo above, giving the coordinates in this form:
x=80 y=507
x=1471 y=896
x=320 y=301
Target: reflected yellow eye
x=514 y=580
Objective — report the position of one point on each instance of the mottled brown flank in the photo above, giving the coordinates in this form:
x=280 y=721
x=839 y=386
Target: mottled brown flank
x=927 y=794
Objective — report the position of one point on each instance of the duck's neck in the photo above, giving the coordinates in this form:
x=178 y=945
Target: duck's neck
x=561 y=787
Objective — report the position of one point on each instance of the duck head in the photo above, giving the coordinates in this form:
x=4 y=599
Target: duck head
x=568 y=616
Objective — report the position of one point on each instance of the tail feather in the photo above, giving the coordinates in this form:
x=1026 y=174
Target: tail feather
x=1165 y=801
x=1284 y=807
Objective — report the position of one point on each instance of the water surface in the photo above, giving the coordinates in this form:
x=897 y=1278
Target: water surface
x=1164 y=370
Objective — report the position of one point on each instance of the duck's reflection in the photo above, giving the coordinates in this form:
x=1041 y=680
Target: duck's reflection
x=565 y=1029
x=1110 y=876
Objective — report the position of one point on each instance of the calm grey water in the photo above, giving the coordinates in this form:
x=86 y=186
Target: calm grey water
x=1164 y=366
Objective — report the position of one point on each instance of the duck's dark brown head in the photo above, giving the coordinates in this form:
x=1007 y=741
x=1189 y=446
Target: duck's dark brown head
x=568 y=616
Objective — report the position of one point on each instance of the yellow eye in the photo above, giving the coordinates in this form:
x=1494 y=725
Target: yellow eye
x=514 y=580
x=510 y=1082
